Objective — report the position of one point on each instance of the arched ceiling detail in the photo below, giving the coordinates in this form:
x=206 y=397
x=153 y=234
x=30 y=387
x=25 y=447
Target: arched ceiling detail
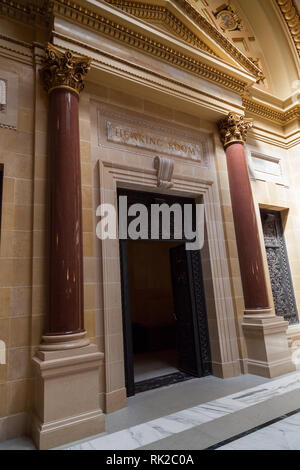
x=274 y=41
x=290 y=10
x=267 y=32
x=255 y=28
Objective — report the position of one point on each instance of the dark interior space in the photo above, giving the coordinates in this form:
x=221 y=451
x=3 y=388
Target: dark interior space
x=152 y=309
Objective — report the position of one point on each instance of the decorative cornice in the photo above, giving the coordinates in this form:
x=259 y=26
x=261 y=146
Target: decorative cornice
x=160 y=14
x=28 y=11
x=291 y=16
x=156 y=12
x=264 y=111
x=282 y=118
x=42 y=11
x=233 y=129
x=122 y=33
x=146 y=44
x=63 y=70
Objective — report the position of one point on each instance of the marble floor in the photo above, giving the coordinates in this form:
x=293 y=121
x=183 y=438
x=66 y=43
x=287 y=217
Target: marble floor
x=281 y=435
x=159 y=429
x=197 y=414
x=154 y=364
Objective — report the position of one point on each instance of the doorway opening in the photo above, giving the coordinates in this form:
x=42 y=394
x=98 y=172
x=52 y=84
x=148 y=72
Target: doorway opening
x=164 y=315
x=152 y=310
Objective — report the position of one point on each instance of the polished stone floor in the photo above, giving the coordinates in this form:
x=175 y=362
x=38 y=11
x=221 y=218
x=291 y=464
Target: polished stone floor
x=198 y=414
x=281 y=435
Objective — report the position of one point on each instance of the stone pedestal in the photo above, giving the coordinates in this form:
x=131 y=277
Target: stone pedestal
x=268 y=352
x=66 y=396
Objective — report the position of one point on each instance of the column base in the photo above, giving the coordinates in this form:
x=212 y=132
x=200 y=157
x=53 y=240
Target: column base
x=66 y=404
x=61 y=342
x=267 y=344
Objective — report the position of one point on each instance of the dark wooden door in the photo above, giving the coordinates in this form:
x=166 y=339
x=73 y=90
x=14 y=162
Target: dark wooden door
x=282 y=286
x=189 y=308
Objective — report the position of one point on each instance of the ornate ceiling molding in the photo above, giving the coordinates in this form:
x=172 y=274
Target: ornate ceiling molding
x=43 y=11
x=267 y=112
x=160 y=14
x=152 y=12
x=292 y=19
x=27 y=11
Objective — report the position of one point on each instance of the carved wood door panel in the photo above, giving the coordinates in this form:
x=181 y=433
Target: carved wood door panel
x=191 y=322
x=281 y=281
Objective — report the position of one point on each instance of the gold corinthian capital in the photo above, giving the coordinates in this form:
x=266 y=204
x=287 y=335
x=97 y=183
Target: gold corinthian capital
x=64 y=70
x=234 y=129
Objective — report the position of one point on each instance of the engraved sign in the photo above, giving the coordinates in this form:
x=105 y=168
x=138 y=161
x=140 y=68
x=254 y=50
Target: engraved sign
x=266 y=165
x=153 y=141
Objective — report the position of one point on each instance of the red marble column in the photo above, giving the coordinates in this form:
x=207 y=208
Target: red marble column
x=233 y=133
x=66 y=269
x=63 y=78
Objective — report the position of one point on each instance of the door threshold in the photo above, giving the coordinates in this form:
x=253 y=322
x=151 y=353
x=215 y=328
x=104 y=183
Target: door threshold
x=163 y=381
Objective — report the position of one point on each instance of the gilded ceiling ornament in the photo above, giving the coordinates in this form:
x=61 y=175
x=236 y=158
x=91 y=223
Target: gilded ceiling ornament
x=234 y=129
x=63 y=70
x=228 y=19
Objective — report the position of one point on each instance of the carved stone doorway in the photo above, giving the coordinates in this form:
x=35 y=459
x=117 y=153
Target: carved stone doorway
x=164 y=311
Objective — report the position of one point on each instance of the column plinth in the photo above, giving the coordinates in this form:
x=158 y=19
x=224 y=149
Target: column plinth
x=66 y=404
x=264 y=332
